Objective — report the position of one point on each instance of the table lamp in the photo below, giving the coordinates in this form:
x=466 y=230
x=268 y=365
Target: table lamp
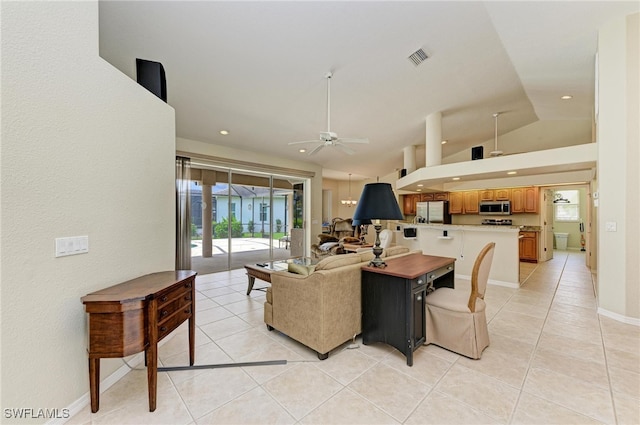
x=361 y=225
x=376 y=203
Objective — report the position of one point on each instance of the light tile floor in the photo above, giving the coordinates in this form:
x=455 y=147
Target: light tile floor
x=552 y=360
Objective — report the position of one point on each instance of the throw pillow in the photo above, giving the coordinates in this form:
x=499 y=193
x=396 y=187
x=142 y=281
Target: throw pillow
x=301 y=269
x=328 y=245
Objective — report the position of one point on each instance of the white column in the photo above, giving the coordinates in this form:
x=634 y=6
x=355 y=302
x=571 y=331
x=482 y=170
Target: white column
x=409 y=158
x=433 y=143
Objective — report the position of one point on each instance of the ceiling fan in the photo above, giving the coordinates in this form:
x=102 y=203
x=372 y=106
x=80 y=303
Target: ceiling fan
x=329 y=138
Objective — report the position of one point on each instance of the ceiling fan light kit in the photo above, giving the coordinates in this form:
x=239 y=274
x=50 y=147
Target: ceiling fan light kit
x=330 y=138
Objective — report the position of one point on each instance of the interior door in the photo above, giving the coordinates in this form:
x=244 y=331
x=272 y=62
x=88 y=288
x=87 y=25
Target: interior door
x=546 y=243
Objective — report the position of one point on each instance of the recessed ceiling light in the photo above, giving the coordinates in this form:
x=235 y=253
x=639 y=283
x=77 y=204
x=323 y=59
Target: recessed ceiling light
x=566 y=97
x=303 y=150
x=444 y=142
x=224 y=132
x=420 y=185
x=456 y=178
x=512 y=172
x=419 y=190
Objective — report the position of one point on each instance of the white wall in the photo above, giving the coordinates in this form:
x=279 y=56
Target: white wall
x=85 y=151
x=618 y=177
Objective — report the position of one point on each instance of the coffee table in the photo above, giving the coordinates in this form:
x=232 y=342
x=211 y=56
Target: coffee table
x=263 y=270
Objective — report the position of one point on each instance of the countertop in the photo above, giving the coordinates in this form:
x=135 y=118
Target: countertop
x=474 y=228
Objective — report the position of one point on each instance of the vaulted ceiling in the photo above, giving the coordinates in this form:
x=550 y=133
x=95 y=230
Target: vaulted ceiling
x=257 y=70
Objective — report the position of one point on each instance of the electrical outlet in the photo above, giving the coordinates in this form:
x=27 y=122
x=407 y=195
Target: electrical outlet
x=611 y=226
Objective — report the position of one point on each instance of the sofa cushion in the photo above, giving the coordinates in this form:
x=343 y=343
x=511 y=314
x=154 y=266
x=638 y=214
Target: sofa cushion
x=336 y=261
x=366 y=256
x=395 y=250
x=328 y=245
x=301 y=269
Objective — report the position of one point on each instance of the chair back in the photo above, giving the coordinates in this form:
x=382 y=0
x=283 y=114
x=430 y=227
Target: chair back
x=386 y=236
x=480 y=274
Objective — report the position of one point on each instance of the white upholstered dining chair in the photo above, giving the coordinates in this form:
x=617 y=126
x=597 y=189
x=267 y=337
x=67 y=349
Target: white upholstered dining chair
x=456 y=320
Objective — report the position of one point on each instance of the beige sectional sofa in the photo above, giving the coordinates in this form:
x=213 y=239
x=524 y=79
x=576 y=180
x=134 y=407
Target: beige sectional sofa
x=320 y=306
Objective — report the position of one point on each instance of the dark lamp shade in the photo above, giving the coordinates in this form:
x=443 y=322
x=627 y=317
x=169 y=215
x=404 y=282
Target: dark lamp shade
x=377 y=202
x=361 y=222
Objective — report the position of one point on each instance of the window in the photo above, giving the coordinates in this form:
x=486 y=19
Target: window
x=263 y=212
x=567 y=205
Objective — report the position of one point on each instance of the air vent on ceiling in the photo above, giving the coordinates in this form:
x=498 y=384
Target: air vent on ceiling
x=418 y=57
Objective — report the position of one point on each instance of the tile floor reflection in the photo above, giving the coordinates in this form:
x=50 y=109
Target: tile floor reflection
x=552 y=360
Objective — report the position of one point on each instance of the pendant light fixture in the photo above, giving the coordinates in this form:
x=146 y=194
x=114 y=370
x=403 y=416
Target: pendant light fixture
x=349 y=202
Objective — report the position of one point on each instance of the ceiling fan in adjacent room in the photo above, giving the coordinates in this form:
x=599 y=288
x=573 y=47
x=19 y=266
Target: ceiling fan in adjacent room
x=329 y=138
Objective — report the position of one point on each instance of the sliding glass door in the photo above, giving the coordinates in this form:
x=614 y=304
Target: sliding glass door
x=242 y=217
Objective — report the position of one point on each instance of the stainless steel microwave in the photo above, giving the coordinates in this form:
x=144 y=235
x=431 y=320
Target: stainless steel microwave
x=495 y=208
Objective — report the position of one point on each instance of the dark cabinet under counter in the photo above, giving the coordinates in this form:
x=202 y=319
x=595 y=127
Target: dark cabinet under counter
x=393 y=299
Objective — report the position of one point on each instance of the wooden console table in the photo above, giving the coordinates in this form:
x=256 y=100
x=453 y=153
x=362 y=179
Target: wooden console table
x=393 y=305
x=133 y=316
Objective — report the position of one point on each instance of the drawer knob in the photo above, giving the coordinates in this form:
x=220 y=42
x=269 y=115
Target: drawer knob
x=419 y=298
x=188 y=297
x=163 y=328
x=450 y=268
x=432 y=276
x=164 y=313
x=188 y=311
x=163 y=299
x=187 y=285
x=420 y=282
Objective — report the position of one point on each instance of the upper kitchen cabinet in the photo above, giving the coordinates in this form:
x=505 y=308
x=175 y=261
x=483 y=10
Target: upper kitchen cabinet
x=463 y=202
x=471 y=203
x=503 y=194
x=524 y=200
x=409 y=203
x=486 y=195
x=441 y=196
x=456 y=203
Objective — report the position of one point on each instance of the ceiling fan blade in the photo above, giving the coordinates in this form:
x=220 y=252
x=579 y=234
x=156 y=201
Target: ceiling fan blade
x=344 y=148
x=316 y=149
x=347 y=140
x=304 y=141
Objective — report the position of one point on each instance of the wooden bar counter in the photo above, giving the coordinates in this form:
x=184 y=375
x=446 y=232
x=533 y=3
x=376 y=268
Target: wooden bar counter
x=134 y=316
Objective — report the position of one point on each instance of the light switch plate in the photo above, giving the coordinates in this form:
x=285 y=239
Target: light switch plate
x=72 y=246
x=611 y=226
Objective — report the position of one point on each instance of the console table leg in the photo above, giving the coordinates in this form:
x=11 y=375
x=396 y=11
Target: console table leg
x=152 y=375
x=94 y=383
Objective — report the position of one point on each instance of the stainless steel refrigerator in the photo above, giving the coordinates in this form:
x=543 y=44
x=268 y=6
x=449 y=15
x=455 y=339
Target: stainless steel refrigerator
x=434 y=212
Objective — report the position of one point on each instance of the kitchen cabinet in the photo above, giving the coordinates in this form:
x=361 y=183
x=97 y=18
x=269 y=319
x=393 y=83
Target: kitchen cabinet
x=441 y=196
x=503 y=194
x=463 y=202
x=456 y=203
x=424 y=197
x=409 y=203
x=471 y=202
x=524 y=200
x=529 y=246
x=486 y=195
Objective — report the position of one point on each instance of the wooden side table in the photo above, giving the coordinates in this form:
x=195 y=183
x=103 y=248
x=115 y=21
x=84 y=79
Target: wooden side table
x=133 y=316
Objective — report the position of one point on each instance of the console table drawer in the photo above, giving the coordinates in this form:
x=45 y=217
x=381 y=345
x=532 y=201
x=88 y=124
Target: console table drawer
x=166 y=326
x=431 y=276
x=175 y=301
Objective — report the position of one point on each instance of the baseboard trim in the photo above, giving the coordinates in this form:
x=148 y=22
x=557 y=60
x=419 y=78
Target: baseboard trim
x=76 y=407
x=619 y=317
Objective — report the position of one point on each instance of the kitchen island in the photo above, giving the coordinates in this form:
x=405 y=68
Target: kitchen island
x=464 y=242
